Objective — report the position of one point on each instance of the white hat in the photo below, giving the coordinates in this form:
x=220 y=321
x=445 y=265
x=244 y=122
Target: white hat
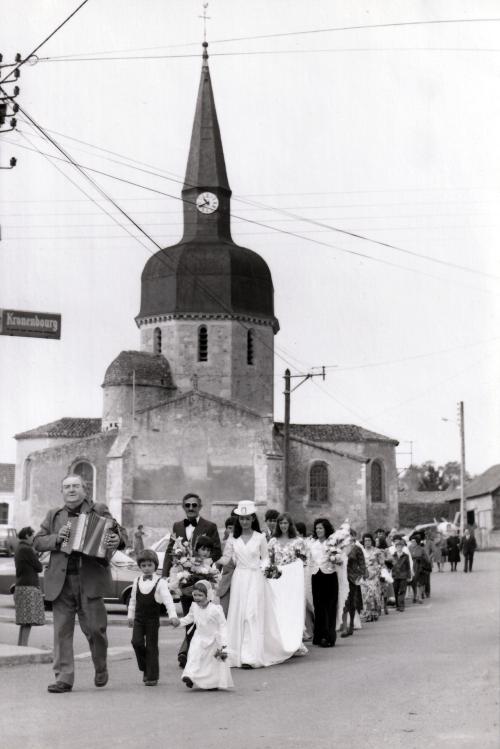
x=245 y=507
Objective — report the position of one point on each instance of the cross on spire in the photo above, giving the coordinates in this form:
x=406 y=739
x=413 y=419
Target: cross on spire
x=205 y=19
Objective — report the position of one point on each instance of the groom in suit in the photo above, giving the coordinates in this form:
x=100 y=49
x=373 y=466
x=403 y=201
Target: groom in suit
x=190 y=529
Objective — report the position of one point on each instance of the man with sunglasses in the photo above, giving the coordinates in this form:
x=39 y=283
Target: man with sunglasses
x=190 y=529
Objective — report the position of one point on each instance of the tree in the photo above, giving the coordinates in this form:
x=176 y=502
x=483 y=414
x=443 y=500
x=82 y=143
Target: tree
x=429 y=478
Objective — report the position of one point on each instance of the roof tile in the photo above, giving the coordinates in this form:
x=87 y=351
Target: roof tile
x=65 y=427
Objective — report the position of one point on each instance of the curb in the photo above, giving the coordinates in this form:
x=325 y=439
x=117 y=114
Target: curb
x=118 y=622
x=20 y=658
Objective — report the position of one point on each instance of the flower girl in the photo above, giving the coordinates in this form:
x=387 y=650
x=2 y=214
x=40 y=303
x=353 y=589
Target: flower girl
x=206 y=666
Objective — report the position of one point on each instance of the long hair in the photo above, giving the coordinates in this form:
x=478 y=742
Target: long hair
x=329 y=529
x=292 y=532
x=238 y=529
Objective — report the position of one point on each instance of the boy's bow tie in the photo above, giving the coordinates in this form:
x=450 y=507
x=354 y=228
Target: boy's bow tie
x=147 y=577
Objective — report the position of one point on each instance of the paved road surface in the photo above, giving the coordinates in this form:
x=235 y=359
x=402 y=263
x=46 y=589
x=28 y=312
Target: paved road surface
x=425 y=678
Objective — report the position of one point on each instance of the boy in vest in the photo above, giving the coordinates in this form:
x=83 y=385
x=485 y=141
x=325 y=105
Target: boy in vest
x=149 y=591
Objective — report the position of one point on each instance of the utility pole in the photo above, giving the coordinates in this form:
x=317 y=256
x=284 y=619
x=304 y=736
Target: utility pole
x=286 y=425
x=462 y=466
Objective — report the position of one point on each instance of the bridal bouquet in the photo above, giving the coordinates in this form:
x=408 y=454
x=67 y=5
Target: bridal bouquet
x=333 y=546
x=221 y=653
x=270 y=569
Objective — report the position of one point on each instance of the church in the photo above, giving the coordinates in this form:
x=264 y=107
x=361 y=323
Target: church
x=192 y=409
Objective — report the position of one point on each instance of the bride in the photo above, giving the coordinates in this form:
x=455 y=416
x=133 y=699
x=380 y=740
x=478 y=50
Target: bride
x=258 y=631
x=285 y=596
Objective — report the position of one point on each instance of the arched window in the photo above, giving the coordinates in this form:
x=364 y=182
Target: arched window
x=318 y=483
x=157 y=341
x=249 y=346
x=87 y=471
x=202 y=343
x=377 y=481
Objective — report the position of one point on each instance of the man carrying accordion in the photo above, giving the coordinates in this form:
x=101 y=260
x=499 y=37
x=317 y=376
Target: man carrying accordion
x=81 y=537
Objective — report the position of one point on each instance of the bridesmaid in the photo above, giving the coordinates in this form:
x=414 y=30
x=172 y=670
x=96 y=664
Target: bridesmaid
x=325 y=586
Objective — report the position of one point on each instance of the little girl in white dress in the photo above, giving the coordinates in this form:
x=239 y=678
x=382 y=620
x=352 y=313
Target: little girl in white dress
x=206 y=666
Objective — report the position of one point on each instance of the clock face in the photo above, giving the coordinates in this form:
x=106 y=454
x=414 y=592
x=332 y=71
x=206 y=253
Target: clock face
x=207 y=202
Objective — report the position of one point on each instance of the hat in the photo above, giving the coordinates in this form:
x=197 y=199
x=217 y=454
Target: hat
x=245 y=507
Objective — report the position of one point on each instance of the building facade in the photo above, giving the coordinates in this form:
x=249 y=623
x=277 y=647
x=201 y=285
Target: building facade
x=192 y=409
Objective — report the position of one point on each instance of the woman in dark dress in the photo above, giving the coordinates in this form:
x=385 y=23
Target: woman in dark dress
x=28 y=597
x=453 y=544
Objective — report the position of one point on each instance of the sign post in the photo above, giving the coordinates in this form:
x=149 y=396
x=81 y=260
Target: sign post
x=30 y=324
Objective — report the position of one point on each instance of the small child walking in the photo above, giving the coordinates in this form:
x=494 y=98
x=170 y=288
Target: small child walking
x=149 y=591
x=401 y=573
x=206 y=666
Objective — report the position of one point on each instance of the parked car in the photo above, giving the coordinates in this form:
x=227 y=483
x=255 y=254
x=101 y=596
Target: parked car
x=160 y=547
x=8 y=540
x=123 y=572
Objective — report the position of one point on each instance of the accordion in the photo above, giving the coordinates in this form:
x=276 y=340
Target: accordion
x=88 y=534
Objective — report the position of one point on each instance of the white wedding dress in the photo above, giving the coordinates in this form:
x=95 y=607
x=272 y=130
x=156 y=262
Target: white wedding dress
x=285 y=601
x=266 y=617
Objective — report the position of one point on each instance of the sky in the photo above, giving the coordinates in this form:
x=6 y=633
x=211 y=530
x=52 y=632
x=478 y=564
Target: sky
x=388 y=131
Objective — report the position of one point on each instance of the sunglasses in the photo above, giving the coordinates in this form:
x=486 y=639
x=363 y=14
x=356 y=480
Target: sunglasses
x=190 y=506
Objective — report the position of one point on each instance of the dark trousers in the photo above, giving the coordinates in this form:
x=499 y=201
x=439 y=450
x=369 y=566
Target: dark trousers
x=186 y=602
x=145 y=644
x=468 y=559
x=325 y=593
x=400 y=592
x=92 y=618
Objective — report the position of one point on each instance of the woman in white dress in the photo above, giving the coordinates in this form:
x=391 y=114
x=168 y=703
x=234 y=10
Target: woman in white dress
x=255 y=638
x=247 y=549
x=285 y=596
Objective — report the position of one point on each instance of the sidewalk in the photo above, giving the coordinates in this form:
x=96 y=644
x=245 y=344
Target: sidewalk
x=14 y=655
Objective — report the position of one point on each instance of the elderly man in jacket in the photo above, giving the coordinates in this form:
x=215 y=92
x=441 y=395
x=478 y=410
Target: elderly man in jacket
x=76 y=584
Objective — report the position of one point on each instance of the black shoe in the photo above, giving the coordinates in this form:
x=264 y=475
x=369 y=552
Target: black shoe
x=101 y=678
x=182 y=660
x=246 y=665
x=59 y=687
x=150 y=682
x=187 y=681
x=348 y=633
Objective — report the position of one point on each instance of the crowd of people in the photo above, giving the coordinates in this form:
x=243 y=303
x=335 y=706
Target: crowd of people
x=254 y=600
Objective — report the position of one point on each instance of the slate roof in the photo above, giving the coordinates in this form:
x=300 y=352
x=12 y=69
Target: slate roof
x=7 y=476
x=68 y=426
x=487 y=483
x=150 y=369
x=335 y=433
x=412 y=496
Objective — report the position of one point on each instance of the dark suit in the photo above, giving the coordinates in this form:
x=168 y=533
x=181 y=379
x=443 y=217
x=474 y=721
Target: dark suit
x=203 y=528
x=80 y=592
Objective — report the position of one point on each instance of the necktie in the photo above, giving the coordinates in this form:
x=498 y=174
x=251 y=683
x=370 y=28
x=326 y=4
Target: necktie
x=189 y=521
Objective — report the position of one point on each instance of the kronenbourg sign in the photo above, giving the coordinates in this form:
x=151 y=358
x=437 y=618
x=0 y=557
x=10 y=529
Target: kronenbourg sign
x=30 y=324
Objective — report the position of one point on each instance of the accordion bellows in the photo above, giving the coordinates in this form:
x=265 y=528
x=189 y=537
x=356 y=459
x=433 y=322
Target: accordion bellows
x=88 y=534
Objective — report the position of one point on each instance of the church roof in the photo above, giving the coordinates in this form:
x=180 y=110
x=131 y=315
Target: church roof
x=150 y=369
x=73 y=428
x=335 y=433
x=7 y=477
x=206 y=273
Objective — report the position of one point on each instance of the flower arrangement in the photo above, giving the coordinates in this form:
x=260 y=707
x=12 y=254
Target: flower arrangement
x=221 y=653
x=334 y=543
x=188 y=569
x=270 y=569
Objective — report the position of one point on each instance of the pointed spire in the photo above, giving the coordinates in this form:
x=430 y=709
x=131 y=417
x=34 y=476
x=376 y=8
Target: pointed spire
x=206 y=167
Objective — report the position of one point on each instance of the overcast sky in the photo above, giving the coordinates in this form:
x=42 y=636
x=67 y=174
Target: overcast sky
x=391 y=133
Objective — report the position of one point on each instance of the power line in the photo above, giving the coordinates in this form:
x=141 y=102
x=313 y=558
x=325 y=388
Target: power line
x=310 y=239
x=395 y=24
x=39 y=46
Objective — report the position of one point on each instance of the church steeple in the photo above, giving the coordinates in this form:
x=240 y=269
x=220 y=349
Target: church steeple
x=206 y=192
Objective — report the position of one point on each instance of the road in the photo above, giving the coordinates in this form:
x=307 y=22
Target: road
x=428 y=677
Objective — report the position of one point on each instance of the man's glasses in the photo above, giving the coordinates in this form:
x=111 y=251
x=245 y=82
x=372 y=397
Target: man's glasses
x=190 y=506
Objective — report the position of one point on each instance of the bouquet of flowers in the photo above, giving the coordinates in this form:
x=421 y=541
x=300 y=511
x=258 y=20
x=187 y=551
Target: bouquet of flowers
x=187 y=569
x=221 y=653
x=301 y=551
x=334 y=543
x=270 y=569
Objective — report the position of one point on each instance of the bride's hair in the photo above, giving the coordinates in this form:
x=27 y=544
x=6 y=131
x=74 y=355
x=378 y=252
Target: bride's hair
x=292 y=531
x=237 y=527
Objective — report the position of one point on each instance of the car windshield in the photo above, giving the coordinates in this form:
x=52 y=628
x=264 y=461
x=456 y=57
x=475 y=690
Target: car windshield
x=122 y=560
